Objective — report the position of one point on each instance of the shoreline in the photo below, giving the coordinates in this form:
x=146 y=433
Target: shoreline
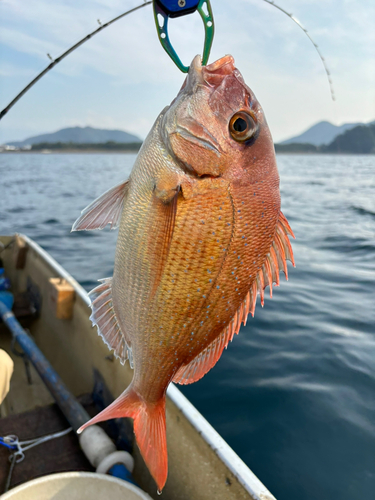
x=113 y=151
x=71 y=151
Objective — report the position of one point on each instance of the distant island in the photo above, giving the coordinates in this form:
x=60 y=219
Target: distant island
x=349 y=138
x=129 y=147
x=78 y=135
x=321 y=133
x=357 y=140
x=77 y=139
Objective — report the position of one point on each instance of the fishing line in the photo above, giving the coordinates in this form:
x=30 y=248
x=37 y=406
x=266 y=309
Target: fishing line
x=19 y=447
x=295 y=20
x=148 y=2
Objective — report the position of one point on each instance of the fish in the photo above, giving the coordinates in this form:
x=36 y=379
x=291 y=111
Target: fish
x=201 y=234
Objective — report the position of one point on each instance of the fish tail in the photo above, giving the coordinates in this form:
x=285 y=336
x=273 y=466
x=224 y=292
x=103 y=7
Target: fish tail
x=149 y=429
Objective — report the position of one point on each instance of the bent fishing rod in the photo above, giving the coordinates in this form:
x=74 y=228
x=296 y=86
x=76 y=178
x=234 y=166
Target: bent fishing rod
x=66 y=53
x=163 y=11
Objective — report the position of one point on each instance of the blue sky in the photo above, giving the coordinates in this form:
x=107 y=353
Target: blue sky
x=122 y=78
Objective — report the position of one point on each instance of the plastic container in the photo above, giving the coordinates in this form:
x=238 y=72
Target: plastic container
x=76 y=486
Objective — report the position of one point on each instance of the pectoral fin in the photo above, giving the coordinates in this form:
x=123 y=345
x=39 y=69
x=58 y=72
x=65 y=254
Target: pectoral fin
x=161 y=234
x=104 y=210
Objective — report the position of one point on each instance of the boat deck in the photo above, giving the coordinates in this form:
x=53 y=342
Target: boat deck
x=58 y=455
x=201 y=464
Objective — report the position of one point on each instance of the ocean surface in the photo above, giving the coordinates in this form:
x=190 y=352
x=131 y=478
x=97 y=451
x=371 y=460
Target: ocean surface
x=294 y=394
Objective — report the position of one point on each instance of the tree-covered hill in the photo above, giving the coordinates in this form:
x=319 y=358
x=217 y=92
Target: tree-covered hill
x=358 y=140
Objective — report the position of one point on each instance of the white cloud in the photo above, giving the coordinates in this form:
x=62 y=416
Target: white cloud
x=122 y=77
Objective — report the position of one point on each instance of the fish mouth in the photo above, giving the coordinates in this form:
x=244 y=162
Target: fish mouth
x=211 y=75
x=223 y=65
x=217 y=71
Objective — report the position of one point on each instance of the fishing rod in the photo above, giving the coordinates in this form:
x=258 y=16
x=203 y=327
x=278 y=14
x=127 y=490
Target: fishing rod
x=163 y=10
x=66 y=53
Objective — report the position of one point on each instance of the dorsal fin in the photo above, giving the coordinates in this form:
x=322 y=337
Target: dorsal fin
x=280 y=252
x=104 y=210
x=268 y=274
x=104 y=317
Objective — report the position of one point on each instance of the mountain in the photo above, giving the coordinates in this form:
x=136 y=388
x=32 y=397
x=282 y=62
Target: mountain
x=359 y=140
x=79 y=135
x=321 y=133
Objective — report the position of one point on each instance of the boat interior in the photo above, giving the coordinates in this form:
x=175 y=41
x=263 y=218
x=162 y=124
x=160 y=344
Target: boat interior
x=53 y=308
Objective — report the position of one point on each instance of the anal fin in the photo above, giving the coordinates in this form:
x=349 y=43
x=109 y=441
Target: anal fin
x=104 y=317
x=207 y=359
x=104 y=210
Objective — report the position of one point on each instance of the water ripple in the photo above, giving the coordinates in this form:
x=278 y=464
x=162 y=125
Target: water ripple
x=294 y=392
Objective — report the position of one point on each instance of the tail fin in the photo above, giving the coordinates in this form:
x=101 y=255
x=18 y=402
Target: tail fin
x=149 y=428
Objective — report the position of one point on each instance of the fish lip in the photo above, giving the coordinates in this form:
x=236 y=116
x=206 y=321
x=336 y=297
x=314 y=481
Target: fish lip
x=199 y=75
x=195 y=76
x=196 y=64
x=220 y=63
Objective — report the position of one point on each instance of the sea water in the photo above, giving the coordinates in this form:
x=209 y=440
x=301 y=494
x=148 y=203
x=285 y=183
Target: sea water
x=294 y=393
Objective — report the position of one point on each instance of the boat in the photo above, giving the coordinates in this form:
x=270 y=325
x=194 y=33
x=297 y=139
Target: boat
x=54 y=308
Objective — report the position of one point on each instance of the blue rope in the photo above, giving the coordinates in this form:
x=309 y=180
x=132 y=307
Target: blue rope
x=7 y=445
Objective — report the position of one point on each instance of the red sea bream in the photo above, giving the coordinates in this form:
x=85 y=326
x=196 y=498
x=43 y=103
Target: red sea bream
x=201 y=234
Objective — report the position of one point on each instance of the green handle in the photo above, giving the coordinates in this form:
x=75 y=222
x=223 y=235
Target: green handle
x=162 y=29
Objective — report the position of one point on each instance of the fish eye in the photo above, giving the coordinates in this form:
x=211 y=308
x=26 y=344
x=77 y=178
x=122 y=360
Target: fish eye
x=242 y=126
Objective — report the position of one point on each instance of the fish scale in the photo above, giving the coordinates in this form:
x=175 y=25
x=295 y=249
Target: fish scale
x=192 y=288
x=201 y=235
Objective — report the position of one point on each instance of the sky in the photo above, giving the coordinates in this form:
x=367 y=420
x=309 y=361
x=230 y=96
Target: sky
x=122 y=78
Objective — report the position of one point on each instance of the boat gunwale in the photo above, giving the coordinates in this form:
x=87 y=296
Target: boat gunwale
x=225 y=453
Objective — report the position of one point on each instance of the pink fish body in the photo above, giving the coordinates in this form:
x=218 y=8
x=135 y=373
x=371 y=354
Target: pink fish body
x=201 y=234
